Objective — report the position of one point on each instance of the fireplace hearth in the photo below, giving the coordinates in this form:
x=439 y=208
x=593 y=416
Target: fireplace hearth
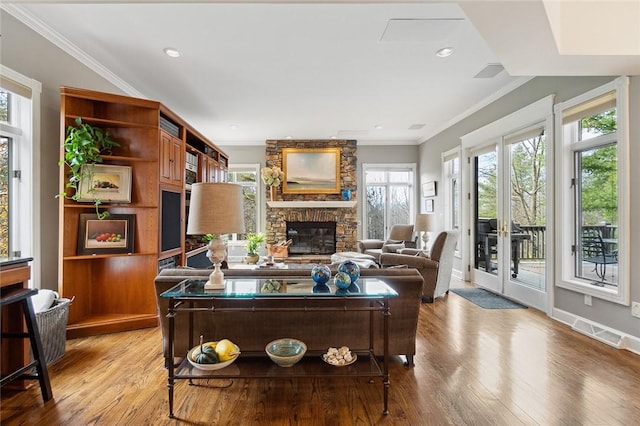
x=311 y=237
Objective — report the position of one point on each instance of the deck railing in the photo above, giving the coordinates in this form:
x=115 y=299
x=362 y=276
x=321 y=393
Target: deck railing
x=535 y=248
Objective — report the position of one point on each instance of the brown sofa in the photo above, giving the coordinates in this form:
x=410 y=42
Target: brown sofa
x=435 y=269
x=251 y=331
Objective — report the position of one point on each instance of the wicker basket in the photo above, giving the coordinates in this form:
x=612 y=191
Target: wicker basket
x=52 y=325
x=278 y=251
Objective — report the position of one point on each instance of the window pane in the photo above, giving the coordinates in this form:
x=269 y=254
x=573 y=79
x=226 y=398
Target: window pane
x=399 y=204
x=249 y=204
x=376 y=196
x=400 y=176
x=598 y=124
x=5 y=100
x=487 y=175
x=597 y=204
x=375 y=176
x=4 y=196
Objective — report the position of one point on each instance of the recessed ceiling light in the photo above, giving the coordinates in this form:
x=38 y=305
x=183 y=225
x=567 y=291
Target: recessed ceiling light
x=170 y=51
x=288 y=137
x=334 y=137
x=444 y=52
x=233 y=126
x=377 y=127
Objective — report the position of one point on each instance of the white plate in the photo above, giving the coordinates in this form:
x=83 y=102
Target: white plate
x=355 y=357
x=210 y=367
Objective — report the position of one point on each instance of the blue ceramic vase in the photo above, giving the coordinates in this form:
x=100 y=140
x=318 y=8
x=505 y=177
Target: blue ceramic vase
x=350 y=268
x=342 y=280
x=321 y=274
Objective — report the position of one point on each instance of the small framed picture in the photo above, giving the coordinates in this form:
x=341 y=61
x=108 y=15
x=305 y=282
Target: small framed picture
x=429 y=205
x=429 y=189
x=105 y=183
x=107 y=236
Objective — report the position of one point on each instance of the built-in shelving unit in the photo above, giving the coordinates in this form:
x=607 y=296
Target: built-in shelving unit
x=114 y=292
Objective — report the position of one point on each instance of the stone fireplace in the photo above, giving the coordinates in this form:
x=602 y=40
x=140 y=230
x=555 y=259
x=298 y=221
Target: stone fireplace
x=315 y=208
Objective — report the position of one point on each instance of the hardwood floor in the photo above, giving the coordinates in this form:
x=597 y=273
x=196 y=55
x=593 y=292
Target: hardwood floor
x=474 y=366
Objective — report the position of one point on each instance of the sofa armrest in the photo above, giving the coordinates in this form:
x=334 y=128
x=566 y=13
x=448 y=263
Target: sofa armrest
x=410 y=251
x=418 y=262
x=363 y=245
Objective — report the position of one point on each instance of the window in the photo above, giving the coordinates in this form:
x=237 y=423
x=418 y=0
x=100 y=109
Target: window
x=246 y=175
x=19 y=160
x=451 y=179
x=595 y=218
x=389 y=198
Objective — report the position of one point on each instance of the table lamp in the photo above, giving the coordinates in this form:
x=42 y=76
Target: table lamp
x=424 y=224
x=215 y=208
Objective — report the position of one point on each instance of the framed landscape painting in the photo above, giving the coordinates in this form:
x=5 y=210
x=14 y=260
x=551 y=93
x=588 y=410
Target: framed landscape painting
x=311 y=171
x=105 y=183
x=107 y=236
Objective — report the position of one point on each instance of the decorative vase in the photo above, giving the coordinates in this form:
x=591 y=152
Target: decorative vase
x=252 y=258
x=272 y=192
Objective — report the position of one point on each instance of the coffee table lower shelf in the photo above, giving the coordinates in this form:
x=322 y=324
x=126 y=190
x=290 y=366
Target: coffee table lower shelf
x=258 y=366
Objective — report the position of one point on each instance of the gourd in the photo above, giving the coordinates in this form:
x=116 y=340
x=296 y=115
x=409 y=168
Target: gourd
x=205 y=354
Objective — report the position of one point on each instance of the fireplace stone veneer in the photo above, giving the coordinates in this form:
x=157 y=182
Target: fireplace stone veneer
x=345 y=217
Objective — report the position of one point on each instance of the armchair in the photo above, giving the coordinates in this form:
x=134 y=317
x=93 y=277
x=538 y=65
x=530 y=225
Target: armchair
x=435 y=269
x=401 y=236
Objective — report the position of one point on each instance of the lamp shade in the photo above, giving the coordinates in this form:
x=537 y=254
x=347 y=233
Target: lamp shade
x=215 y=208
x=423 y=222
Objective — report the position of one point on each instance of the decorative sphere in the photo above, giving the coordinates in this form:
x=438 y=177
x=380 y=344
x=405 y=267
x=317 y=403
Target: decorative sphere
x=342 y=280
x=321 y=274
x=321 y=288
x=350 y=268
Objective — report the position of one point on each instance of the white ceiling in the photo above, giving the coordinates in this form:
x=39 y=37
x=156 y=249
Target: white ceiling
x=313 y=70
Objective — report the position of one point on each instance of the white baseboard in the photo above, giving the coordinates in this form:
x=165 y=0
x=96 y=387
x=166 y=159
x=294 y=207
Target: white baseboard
x=597 y=331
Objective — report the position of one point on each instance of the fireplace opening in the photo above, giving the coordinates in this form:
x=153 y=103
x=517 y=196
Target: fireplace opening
x=311 y=237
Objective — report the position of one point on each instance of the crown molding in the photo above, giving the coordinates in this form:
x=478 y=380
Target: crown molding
x=57 y=39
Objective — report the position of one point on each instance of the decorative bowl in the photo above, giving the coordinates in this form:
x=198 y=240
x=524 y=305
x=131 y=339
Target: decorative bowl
x=286 y=352
x=210 y=367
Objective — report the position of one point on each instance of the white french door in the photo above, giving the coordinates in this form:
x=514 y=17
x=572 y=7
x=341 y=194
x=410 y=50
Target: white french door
x=508 y=179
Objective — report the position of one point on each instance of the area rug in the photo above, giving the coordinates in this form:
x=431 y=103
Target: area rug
x=486 y=299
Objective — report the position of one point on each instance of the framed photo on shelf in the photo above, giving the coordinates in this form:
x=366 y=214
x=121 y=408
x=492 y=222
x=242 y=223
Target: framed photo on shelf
x=109 y=184
x=311 y=170
x=429 y=205
x=113 y=235
x=429 y=189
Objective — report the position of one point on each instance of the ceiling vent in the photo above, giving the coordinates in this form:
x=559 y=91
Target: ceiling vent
x=416 y=126
x=490 y=71
x=420 y=30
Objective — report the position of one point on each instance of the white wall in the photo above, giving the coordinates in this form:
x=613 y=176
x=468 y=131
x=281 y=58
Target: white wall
x=28 y=53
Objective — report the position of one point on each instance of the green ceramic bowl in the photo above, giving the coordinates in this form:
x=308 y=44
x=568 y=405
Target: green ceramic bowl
x=286 y=352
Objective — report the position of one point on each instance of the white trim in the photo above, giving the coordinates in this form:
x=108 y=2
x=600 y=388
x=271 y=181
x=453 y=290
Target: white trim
x=602 y=333
x=21 y=14
x=564 y=213
x=31 y=152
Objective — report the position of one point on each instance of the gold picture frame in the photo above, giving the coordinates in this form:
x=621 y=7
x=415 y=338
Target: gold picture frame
x=109 y=184
x=311 y=170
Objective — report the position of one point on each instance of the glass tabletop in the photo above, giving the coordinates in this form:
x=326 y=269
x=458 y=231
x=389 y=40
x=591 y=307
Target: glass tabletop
x=280 y=287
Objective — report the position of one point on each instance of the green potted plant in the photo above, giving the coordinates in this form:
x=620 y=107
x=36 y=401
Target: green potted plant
x=253 y=244
x=84 y=145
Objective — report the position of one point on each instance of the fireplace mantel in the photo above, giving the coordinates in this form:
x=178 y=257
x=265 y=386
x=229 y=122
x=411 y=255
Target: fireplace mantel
x=311 y=204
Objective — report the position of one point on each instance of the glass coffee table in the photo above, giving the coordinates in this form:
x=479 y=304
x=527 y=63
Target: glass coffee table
x=255 y=295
